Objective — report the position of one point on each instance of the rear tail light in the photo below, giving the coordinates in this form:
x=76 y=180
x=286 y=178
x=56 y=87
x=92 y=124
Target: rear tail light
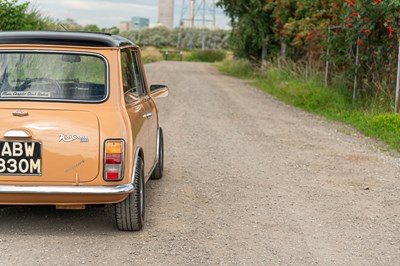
x=114 y=160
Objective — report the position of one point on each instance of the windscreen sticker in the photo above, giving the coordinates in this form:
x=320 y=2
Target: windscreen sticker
x=31 y=94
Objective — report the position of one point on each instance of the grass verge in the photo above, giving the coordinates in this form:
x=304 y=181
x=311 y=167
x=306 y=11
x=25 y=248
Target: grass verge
x=369 y=117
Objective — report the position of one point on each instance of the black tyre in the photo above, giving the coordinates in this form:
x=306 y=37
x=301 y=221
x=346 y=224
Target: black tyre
x=129 y=213
x=158 y=170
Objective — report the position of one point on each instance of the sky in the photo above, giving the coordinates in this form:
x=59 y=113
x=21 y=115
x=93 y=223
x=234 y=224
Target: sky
x=108 y=13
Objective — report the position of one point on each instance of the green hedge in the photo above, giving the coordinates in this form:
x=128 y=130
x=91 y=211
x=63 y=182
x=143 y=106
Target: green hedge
x=210 y=56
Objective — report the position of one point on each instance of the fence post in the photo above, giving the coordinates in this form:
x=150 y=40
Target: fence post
x=282 y=60
x=356 y=72
x=327 y=58
x=166 y=55
x=181 y=55
x=397 y=103
x=308 y=60
x=264 y=55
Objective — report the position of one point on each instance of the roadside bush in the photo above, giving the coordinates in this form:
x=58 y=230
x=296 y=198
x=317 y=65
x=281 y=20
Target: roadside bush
x=209 y=56
x=151 y=54
x=241 y=68
x=357 y=38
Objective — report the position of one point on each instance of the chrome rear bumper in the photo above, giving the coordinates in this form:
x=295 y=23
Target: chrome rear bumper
x=92 y=190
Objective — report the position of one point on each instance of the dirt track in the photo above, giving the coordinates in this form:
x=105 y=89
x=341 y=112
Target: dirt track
x=247 y=181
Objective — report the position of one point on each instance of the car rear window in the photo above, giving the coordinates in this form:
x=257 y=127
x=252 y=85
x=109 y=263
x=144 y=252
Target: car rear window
x=52 y=76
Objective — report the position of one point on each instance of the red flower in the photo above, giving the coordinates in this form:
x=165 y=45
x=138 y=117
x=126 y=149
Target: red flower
x=359 y=42
x=349 y=26
x=367 y=31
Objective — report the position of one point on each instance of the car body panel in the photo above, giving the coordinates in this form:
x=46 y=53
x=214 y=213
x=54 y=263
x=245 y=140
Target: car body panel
x=75 y=163
x=69 y=138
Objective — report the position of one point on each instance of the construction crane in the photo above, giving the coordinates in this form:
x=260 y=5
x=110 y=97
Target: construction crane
x=198 y=14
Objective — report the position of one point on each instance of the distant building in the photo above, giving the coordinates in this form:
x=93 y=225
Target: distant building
x=138 y=23
x=166 y=13
x=155 y=25
x=124 y=26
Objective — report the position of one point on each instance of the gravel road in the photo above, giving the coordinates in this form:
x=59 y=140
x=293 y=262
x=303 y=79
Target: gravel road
x=248 y=181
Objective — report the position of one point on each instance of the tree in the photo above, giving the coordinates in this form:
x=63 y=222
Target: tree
x=252 y=23
x=179 y=37
x=14 y=16
x=91 y=27
x=114 y=30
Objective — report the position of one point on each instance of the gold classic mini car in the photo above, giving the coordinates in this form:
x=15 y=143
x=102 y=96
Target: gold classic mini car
x=78 y=123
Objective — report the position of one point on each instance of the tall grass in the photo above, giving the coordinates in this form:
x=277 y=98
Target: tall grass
x=240 y=68
x=151 y=54
x=335 y=102
x=210 y=56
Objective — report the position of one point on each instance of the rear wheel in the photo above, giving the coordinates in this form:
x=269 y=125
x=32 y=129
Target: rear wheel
x=158 y=170
x=129 y=213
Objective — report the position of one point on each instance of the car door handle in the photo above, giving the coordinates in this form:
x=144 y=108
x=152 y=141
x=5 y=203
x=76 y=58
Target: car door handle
x=148 y=115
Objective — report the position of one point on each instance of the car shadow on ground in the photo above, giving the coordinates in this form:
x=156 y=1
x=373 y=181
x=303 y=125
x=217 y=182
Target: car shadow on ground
x=37 y=220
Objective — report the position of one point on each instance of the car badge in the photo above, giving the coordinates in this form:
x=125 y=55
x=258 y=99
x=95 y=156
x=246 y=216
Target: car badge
x=71 y=138
x=20 y=113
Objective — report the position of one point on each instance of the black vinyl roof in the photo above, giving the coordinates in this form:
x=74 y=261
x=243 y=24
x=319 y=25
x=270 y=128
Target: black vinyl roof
x=63 y=38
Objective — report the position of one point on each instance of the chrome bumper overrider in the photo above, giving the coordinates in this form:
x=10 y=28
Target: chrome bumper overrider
x=108 y=190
